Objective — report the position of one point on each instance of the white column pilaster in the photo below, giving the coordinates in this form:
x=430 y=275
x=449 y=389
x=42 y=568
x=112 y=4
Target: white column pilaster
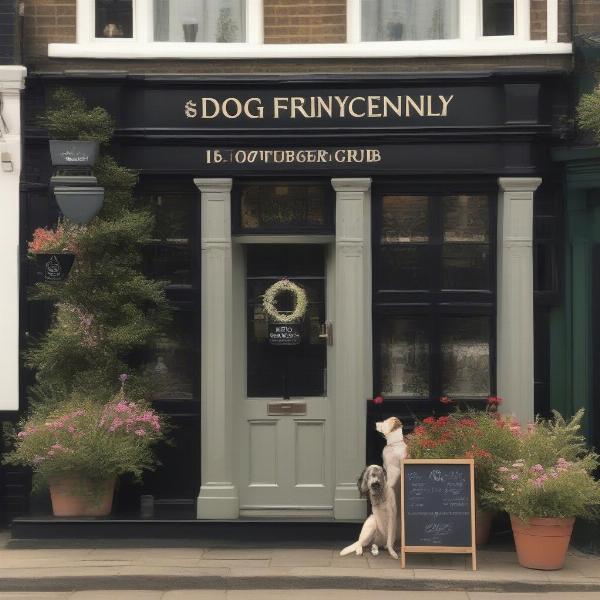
x=12 y=81
x=218 y=497
x=352 y=338
x=515 y=295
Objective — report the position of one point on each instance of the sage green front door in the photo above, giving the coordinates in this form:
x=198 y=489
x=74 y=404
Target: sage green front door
x=285 y=421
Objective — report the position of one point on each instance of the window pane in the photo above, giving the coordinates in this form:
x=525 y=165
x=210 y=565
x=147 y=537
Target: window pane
x=466 y=267
x=465 y=349
x=114 y=18
x=404 y=267
x=404 y=357
x=285 y=206
x=173 y=365
x=168 y=255
x=466 y=218
x=199 y=20
x=276 y=370
x=405 y=219
x=385 y=20
x=498 y=17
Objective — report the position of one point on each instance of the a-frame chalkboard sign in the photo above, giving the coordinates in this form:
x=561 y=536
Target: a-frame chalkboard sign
x=438 y=507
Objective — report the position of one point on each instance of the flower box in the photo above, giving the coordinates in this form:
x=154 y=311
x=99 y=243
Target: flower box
x=52 y=268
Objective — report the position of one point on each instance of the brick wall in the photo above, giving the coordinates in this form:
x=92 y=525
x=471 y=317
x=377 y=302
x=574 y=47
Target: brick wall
x=8 y=32
x=47 y=21
x=587 y=16
x=539 y=29
x=305 y=21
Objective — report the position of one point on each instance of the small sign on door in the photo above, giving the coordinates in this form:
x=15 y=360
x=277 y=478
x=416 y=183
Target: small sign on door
x=284 y=334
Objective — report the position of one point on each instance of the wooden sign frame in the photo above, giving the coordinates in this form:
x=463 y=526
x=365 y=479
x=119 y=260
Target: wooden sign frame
x=472 y=549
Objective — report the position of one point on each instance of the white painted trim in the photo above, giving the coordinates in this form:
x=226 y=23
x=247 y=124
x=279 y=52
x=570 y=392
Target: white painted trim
x=522 y=20
x=254 y=22
x=552 y=21
x=353 y=21
x=12 y=81
x=418 y=49
x=470 y=20
x=283 y=239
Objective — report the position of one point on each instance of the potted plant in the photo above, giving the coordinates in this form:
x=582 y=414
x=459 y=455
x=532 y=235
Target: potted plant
x=76 y=132
x=546 y=489
x=486 y=436
x=80 y=447
x=53 y=251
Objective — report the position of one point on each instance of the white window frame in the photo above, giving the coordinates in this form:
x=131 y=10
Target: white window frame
x=470 y=42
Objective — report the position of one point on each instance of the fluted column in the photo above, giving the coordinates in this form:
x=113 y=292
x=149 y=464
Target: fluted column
x=515 y=295
x=218 y=497
x=352 y=339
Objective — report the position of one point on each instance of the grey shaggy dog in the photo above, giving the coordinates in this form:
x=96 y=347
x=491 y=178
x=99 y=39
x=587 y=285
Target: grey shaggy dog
x=380 y=527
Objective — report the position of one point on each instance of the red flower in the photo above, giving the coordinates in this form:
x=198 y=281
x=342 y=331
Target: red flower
x=443 y=420
x=446 y=400
x=378 y=400
x=494 y=401
x=429 y=420
x=420 y=430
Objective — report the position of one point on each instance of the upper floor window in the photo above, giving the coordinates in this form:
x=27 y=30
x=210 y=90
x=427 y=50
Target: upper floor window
x=394 y=20
x=114 y=19
x=199 y=21
x=498 y=17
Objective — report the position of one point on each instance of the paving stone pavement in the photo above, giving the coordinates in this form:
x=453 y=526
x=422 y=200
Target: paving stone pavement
x=179 y=573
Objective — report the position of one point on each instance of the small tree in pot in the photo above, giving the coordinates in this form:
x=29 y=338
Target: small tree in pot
x=76 y=132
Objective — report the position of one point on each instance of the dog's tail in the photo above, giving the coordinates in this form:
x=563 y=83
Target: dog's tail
x=349 y=549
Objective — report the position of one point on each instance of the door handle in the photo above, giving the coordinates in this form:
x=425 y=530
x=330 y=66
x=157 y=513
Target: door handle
x=326 y=332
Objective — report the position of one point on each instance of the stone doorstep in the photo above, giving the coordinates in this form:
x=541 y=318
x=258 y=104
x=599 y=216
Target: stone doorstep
x=218 y=580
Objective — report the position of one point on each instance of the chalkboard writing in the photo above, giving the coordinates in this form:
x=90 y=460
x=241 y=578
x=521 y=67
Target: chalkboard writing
x=437 y=506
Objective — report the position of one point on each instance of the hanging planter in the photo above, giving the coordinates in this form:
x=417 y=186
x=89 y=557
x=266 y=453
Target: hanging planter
x=52 y=268
x=79 y=204
x=73 y=153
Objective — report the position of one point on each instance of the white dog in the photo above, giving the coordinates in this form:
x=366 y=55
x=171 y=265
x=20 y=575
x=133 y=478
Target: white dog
x=380 y=527
x=394 y=452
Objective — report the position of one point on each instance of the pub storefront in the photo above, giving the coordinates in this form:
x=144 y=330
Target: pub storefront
x=401 y=207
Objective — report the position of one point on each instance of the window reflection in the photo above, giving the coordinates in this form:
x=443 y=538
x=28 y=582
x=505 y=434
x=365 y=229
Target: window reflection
x=114 y=18
x=199 y=21
x=405 y=219
x=404 y=357
x=498 y=17
x=465 y=349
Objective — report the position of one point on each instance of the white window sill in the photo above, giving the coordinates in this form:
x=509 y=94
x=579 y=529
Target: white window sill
x=126 y=49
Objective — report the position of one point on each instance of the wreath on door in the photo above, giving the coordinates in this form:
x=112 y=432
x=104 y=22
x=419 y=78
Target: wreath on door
x=270 y=302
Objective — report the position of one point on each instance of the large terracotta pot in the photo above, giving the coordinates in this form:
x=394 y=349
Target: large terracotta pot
x=542 y=542
x=74 y=496
x=483 y=526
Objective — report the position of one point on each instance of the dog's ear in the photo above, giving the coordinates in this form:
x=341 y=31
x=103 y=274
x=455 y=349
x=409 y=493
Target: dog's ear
x=363 y=487
x=396 y=424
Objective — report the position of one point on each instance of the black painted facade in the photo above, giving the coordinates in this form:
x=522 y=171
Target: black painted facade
x=498 y=124
x=9 y=32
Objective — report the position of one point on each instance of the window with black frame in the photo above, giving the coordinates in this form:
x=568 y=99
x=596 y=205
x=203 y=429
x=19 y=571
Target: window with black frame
x=170 y=256
x=434 y=294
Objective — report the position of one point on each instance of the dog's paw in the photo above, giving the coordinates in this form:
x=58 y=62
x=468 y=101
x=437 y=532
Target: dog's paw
x=374 y=550
x=359 y=551
x=393 y=553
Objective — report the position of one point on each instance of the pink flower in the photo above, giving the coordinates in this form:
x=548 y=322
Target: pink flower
x=140 y=432
x=378 y=400
x=537 y=468
x=514 y=477
x=503 y=469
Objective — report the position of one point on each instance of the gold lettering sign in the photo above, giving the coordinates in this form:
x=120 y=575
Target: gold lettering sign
x=320 y=107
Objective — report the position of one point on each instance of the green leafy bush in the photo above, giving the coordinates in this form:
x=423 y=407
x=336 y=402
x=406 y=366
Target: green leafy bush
x=553 y=476
x=68 y=118
x=588 y=113
x=86 y=438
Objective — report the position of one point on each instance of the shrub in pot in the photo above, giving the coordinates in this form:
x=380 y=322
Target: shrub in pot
x=80 y=447
x=486 y=436
x=546 y=489
x=76 y=132
x=53 y=251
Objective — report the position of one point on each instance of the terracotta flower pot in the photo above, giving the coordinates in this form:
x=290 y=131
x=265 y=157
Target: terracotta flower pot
x=483 y=526
x=74 y=496
x=542 y=542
